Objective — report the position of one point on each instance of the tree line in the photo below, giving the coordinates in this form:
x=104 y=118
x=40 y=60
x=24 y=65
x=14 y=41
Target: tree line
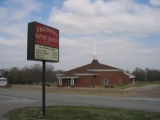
x=28 y=75
x=33 y=74
x=146 y=74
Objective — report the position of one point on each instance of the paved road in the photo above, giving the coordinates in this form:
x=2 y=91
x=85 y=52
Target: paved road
x=10 y=99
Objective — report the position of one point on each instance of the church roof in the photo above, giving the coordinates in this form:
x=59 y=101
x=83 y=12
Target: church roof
x=87 y=69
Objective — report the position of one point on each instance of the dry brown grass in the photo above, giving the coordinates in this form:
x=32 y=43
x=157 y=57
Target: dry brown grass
x=100 y=91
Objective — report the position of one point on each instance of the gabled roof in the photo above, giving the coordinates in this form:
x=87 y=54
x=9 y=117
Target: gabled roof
x=85 y=69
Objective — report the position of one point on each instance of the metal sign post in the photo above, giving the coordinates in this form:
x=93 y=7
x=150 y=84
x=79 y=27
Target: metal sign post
x=43 y=89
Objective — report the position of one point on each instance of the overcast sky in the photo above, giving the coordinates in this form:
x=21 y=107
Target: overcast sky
x=126 y=32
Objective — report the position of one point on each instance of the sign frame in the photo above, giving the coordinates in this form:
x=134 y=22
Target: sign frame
x=45 y=38
x=31 y=42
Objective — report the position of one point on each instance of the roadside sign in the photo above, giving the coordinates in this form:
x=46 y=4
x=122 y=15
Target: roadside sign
x=43 y=43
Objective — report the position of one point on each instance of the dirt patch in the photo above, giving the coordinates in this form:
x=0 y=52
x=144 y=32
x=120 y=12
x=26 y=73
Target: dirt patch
x=151 y=91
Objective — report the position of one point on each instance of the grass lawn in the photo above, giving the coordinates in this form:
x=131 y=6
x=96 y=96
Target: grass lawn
x=80 y=113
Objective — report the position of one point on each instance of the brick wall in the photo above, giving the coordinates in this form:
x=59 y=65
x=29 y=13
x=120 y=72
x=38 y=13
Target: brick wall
x=113 y=77
x=84 y=81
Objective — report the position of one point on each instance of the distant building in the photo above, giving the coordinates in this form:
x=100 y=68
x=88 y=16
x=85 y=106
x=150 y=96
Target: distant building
x=3 y=82
x=94 y=74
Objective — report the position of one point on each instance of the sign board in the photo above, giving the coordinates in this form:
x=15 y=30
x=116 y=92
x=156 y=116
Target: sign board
x=43 y=43
x=3 y=82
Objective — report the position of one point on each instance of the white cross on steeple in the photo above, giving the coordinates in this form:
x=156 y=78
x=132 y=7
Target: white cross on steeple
x=94 y=52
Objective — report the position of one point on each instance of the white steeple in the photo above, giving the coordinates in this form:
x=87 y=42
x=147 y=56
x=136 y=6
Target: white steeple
x=94 y=52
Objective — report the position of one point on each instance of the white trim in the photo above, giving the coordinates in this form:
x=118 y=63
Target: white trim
x=133 y=81
x=68 y=77
x=61 y=81
x=86 y=74
x=59 y=74
x=58 y=81
x=73 y=81
x=130 y=76
x=104 y=70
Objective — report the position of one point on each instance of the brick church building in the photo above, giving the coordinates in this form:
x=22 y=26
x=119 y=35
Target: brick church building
x=94 y=74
